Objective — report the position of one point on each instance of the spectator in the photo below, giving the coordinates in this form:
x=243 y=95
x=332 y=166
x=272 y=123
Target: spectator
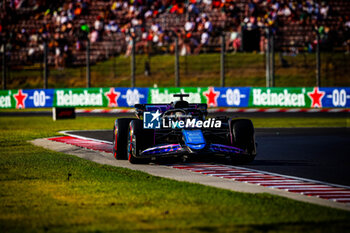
x=178 y=8
x=190 y=25
x=98 y=26
x=324 y=10
x=284 y=11
x=251 y=9
x=193 y=10
x=231 y=9
x=208 y=26
x=130 y=35
x=234 y=40
x=217 y=4
x=94 y=36
x=111 y=27
x=208 y=3
x=262 y=43
x=203 y=42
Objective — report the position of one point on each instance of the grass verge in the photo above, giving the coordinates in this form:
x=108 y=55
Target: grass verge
x=241 y=69
x=36 y=195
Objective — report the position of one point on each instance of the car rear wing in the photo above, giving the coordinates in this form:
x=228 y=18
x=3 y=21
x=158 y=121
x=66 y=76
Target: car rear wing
x=141 y=108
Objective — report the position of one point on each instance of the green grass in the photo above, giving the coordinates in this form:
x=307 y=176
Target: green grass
x=242 y=69
x=36 y=195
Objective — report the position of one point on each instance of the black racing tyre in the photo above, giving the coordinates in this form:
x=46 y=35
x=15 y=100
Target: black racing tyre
x=139 y=139
x=120 y=137
x=243 y=137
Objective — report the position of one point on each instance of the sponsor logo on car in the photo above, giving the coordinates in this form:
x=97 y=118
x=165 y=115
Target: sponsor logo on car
x=151 y=120
x=154 y=121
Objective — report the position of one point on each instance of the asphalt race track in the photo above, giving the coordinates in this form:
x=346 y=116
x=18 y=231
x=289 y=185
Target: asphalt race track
x=321 y=154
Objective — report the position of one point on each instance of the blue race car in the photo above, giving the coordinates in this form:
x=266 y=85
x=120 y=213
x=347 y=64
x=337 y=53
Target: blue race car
x=181 y=129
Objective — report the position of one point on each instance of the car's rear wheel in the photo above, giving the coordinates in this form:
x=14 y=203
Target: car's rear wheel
x=243 y=137
x=139 y=139
x=120 y=137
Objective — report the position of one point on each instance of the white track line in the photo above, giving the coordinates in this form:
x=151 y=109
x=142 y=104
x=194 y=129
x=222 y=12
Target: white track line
x=296 y=178
x=84 y=138
x=307 y=189
x=274 y=174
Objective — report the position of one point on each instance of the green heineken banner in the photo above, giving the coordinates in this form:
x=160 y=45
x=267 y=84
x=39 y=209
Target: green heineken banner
x=100 y=97
x=289 y=97
x=6 y=99
x=80 y=97
x=73 y=97
x=279 y=97
x=300 y=97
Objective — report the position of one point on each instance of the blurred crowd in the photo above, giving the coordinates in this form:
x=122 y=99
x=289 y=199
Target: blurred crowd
x=65 y=25
x=44 y=21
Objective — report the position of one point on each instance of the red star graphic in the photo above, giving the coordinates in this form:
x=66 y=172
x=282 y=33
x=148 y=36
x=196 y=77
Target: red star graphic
x=112 y=97
x=316 y=97
x=20 y=99
x=212 y=97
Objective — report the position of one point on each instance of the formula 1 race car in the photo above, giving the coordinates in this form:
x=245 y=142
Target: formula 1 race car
x=181 y=129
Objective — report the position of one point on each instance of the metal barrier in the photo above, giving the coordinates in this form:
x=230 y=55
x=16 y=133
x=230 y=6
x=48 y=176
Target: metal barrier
x=170 y=65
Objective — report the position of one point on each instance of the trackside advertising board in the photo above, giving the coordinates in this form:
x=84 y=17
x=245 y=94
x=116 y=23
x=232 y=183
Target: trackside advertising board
x=307 y=97
x=279 y=97
x=26 y=98
x=100 y=97
x=73 y=97
x=295 y=97
x=213 y=96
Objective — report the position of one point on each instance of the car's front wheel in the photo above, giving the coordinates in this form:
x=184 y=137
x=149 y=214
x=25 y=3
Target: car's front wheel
x=138 y=140
x=243 y=137
x=120 y=136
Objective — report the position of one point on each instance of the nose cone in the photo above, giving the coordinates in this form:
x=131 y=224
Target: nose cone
x=194 y=139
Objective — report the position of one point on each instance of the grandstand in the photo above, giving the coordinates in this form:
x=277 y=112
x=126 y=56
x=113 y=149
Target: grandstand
x=110 y=25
